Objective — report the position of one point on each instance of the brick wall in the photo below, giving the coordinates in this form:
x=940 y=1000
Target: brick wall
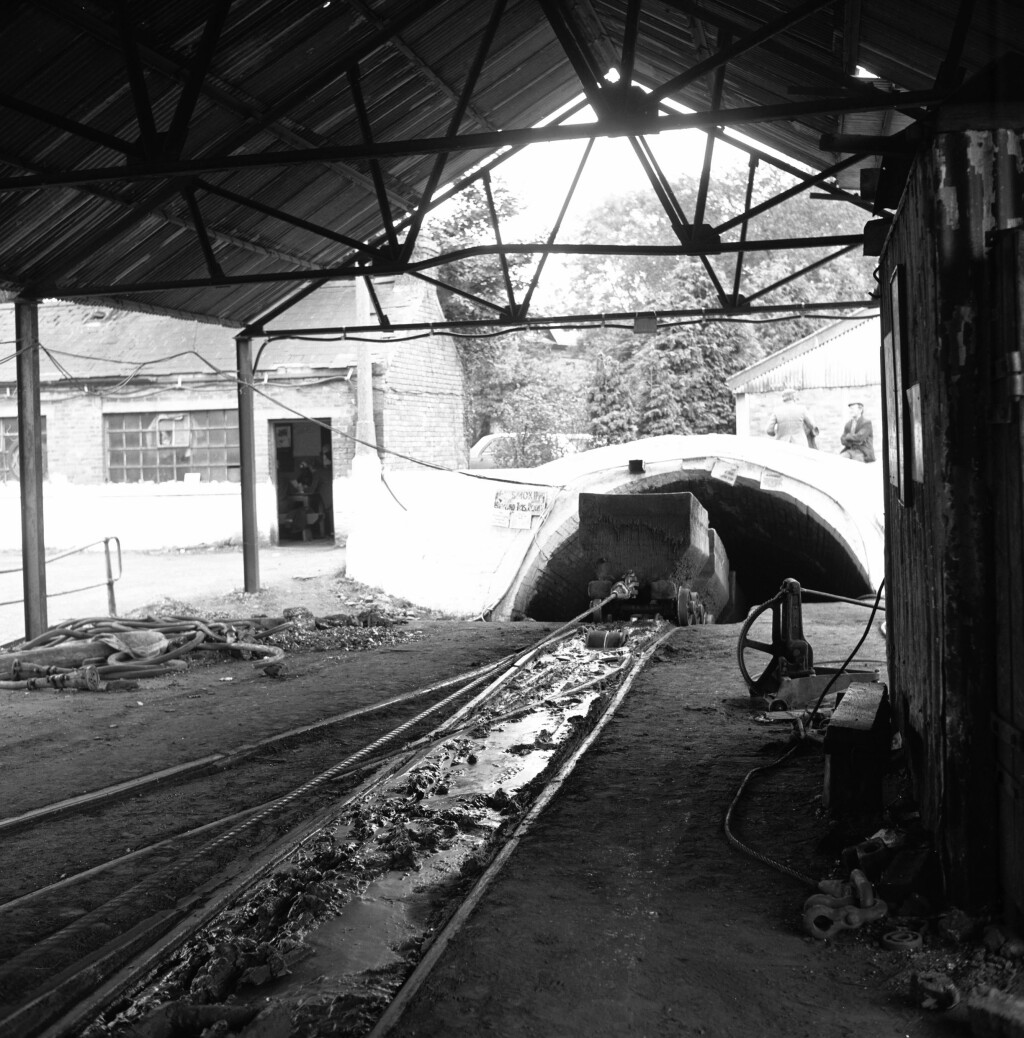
x=424 y=390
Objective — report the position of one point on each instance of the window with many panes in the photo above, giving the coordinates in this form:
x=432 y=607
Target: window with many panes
x=9 y=463
x=165 y=446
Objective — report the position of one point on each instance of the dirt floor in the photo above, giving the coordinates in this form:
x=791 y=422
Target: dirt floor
x=625 y=910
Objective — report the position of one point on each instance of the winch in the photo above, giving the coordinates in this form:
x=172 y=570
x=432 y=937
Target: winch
x=789 y=679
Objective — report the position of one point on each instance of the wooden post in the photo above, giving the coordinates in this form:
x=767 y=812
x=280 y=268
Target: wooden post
x=30 y=463
x=247 y=457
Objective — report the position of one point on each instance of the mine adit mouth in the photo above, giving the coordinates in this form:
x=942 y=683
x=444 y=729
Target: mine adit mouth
x=766 y=538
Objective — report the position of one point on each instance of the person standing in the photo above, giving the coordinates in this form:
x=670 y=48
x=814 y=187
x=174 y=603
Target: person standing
x=791 y=422
x=858 y=436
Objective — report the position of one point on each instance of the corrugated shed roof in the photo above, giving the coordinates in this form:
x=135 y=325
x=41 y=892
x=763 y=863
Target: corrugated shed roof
x=289 y=76
x=845 y=353
x=102 y=342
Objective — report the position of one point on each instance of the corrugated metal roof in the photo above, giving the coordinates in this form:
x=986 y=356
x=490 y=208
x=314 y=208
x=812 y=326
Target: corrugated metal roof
x=83 y=342
x=282 y=78
x=845 y=353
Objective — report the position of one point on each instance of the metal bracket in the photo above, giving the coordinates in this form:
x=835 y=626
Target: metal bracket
x=1010 y=375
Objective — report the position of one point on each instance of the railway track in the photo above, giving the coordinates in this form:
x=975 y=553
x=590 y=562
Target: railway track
x=349 y=803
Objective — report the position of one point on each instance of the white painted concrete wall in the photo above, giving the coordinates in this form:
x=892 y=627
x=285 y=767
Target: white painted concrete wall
x=440 y=548
x=433 y=538
x=144 y=516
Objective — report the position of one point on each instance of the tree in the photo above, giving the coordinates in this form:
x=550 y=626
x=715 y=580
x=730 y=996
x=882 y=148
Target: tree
x=700 y=353
x=609 y=404
x=658 y=409
x=512 y=382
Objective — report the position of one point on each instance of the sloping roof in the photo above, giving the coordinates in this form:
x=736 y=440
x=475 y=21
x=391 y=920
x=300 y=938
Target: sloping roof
x=845 y=353
x=223 y=153
x=103 y=342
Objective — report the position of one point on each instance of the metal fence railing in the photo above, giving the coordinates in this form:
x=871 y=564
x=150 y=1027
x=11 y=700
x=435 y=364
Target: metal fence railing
x=111 y=578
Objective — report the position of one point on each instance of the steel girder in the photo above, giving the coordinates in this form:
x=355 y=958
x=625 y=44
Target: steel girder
x=155 y=160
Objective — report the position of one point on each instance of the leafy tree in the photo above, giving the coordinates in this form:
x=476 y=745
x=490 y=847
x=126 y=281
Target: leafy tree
x=658 y=409
x=609 y=403
x=701 y=353
x=463 y=223
x=510 y=382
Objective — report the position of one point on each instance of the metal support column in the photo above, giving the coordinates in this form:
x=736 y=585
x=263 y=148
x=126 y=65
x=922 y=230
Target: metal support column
x=247 y=457
x=30 y=464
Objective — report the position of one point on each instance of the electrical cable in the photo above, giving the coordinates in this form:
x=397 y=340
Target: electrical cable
x=540 y=325
x=387 y=486
x=729 y=835
x=856 y=649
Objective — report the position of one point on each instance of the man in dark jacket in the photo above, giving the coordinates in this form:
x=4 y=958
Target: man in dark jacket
x=858 y=436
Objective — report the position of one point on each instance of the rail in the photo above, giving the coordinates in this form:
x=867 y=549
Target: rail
x=109 y=582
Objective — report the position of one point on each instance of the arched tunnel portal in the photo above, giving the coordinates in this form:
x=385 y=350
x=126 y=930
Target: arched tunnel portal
x=767 y=535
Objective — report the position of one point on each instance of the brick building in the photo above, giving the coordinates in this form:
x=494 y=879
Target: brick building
x=141 y=422
x=830 y=368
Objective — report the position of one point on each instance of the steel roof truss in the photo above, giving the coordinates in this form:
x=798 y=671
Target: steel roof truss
x=629 y=38
x=581 y=57
x=382 y=318
x=738 y=272
x=378 y=178
x=492 y=212
x=709 y=145
x=677 y=218
x=790 y=192
x=148 y=139
x=836 y=192
x=451 y=143
x=255 y=327
x=294 y=221
x=60 y=122
x=472 y=76
x=800 y=273
x=851 y=12
x=557 y=226
x=189 y=194
x=228 y=100
x=950 y=73
x=257 y=121
x=487 y=304
x=421 y=66
x=350 y=270
x=177 y=132
x=691 y=315
x=741 y=46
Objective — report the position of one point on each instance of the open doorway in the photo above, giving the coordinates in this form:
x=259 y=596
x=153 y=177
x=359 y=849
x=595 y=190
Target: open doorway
x=303 y=475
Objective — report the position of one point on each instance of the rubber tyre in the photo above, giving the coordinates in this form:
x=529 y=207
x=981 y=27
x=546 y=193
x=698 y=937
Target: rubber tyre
x=683 y=614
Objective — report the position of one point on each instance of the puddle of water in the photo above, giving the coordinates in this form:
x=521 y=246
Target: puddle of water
x=394 y=908
x=367 y=932
x=514 y=769
x=370 y=930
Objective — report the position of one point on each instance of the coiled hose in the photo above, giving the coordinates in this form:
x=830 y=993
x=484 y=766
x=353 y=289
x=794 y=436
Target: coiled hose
x=183 y=634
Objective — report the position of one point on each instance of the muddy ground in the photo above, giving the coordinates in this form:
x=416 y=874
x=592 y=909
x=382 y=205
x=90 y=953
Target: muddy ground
x=625 y=911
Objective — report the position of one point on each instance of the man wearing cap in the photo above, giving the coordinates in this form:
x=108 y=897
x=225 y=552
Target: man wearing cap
x=858 y=436
x=791 y=423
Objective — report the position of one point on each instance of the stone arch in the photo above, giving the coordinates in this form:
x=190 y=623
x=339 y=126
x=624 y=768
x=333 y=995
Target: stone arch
x=794 y=529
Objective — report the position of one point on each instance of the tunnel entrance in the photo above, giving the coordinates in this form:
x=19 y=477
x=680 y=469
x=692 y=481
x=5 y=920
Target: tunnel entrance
x=768 y=537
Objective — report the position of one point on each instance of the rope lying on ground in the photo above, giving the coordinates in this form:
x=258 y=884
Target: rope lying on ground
x=121 y=649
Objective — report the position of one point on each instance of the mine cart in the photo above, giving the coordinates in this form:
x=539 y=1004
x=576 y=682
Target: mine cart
x=680 y=565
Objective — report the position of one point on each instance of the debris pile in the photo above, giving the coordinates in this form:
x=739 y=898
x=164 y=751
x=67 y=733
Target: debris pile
x=111 y=654
x=945 y=957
